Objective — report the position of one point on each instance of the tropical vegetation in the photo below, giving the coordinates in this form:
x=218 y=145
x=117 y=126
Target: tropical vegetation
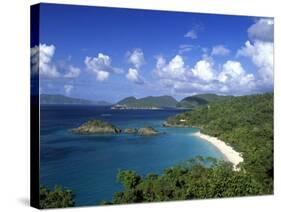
x=246 y=123
x=200 y=100
x=57 y=198
x=149 y=102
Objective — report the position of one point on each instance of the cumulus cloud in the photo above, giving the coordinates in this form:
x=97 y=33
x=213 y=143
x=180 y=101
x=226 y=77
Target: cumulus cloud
x=133 y=75
x=175 y=69
x=203 y=70
x=102 y=75
x=228 y=78
x=259 y=49
x=68 y=89
x=101 y=66
x=262 y=30
x=41 y=61
x=261 y=55
x=176 y=75
x=136 y=58
x=233 y=77
x=191 y=34
x=73 y=72
x=220 y=50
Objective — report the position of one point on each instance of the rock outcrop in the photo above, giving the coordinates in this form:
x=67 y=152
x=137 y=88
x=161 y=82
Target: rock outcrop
x=146 y=131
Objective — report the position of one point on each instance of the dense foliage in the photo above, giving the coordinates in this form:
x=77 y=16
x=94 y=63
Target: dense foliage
x=58 y=198
x=200 y=100
x=246 y=123
x=193 y=180
x=97 y=123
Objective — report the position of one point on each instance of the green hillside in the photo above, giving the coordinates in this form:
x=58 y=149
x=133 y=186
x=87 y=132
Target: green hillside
x=127 y=100
x=150 y=101
x=199 y=100
x=245 y=122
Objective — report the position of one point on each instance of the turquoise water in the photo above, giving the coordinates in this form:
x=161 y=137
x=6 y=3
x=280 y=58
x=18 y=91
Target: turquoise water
x=88 y=164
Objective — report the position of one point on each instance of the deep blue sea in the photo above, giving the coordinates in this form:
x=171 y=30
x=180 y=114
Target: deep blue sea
x=88 y=164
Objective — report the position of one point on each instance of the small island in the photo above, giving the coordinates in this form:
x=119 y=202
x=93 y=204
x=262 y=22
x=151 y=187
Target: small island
x=96 y=127
x=102 y=127
x=143 y=131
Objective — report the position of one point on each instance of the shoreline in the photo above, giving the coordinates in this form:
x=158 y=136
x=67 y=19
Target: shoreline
x=231 y=155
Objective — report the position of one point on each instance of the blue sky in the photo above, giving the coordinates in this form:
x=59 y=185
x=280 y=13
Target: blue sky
x=108 y=53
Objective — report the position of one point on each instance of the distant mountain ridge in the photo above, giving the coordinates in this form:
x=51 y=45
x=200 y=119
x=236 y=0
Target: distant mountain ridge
x=132 y=102
x=53 y=99
x=169 y=101
x=149 y=101
x=200 y=99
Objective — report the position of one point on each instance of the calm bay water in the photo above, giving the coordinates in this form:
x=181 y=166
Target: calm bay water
x=88 y=164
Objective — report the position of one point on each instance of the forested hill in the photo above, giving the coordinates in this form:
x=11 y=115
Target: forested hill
x=149 y=101
x=169 y=101
x=200 y=99
x=246 y=123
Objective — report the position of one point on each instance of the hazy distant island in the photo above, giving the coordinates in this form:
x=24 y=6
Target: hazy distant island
x=102 y=127
x=57 y=99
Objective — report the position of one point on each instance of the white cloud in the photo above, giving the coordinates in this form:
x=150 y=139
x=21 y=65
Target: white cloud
x=233 y=75
x=101 y=66
x=73 y=72
x=175 y=69
x=41 y=61
x=188 y=86
x=260 y=51
x=261 y=54
x=203 y=70
x=136 y=57
x=191 y=34
x=220 y=50
x=228 y=78
x=68 y=89
x=262 y=30
x=102 y=75
x=134 y=76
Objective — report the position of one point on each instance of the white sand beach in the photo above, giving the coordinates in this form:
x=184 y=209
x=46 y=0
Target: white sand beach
x=231 y=155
